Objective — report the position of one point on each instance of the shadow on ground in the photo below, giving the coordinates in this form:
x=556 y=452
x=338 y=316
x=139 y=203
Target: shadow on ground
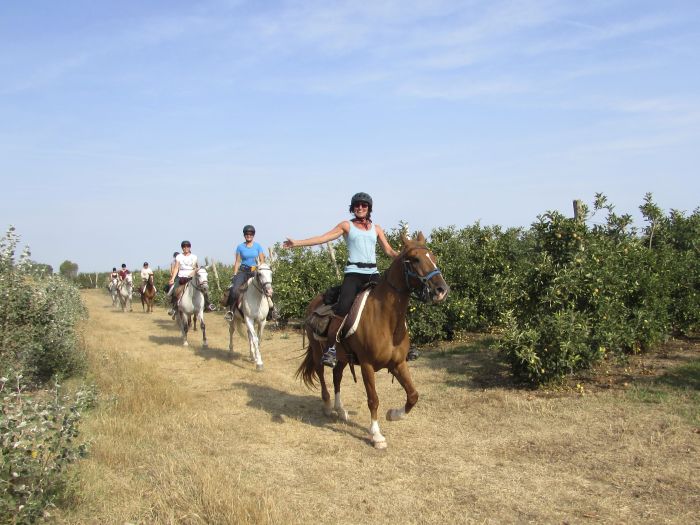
x=474 y=364
x=306 y=408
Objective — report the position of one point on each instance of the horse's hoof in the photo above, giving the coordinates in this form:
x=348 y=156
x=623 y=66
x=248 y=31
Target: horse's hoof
x=205 y=344
x=379 y=442
x=343 y=415
x=259 y=368
x=395 y=414
x=185 y=344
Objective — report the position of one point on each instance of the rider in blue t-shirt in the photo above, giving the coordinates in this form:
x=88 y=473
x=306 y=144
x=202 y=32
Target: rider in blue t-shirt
x=249 y=254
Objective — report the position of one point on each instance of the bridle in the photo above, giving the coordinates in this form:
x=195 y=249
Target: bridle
x=196 y=282
x=422 y=291
x=258 y=283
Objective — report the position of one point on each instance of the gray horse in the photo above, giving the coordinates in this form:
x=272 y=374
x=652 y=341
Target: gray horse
x=191 y=305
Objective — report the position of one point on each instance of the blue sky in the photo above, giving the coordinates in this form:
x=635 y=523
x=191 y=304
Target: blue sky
x=128 y=126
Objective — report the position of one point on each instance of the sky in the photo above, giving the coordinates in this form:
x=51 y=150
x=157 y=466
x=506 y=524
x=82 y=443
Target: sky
x=126 y=127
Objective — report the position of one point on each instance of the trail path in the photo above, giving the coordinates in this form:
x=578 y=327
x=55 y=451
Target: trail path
x=471 y=451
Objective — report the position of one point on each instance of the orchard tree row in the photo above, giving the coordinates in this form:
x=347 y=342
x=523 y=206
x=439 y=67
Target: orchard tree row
x=560 y=295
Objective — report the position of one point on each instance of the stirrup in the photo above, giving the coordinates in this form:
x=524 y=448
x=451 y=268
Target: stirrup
x=171 y=312
x=329 y=357
x=412 y=355
x=211 y=307
x=228 y=316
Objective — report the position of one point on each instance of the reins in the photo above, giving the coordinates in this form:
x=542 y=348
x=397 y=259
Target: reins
x=409 y=273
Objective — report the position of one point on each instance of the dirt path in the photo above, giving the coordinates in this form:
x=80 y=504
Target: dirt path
x=468 y=453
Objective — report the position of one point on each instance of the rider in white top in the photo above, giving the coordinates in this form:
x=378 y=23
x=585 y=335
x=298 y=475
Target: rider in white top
x=145 y=273
x=186 y=265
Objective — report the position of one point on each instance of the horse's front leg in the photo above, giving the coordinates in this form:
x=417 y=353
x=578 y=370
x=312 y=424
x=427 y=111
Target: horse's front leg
x=183 y=321
x=403 y=375
x=337 y=378
x=375 y=435
x=254 y=343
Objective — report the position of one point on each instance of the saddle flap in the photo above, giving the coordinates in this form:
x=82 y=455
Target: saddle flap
x=319 y=320
x=352 y=320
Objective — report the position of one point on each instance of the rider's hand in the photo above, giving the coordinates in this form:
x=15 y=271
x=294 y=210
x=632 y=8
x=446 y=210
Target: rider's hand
x=289 y=243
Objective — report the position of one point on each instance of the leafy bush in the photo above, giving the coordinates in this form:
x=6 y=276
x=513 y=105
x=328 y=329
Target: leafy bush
x=38 y=341
x=38 y=432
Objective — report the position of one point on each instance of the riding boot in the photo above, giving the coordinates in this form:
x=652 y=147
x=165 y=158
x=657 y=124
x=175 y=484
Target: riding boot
x=173 y=299
x=272 y=313
x=230 y=305
x=208 y=305
x=329 y=354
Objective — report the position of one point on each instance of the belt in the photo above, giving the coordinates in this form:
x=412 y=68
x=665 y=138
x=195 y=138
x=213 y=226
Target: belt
x=363 y=265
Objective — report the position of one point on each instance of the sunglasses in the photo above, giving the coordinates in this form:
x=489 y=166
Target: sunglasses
x=361 y=205
x=248 y=233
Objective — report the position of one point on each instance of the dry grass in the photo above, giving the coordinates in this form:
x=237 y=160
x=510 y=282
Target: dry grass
x=185 y=435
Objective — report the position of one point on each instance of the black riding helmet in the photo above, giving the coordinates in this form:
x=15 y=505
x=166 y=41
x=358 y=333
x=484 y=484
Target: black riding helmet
x=361 y=197
x=248 y=228
x=185 y=243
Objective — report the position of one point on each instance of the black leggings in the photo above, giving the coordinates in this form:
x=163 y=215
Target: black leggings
x=352 y=283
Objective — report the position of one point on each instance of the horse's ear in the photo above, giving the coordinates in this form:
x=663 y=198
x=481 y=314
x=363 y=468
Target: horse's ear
x=404 y=238
x=420 y=238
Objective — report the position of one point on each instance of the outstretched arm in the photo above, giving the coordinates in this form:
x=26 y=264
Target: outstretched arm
x=329 y=236
x=385 y=244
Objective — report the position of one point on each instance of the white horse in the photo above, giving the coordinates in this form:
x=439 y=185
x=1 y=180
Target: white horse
x=112 y=287
x=192 y=304
x=255 y=307
x=124 y=290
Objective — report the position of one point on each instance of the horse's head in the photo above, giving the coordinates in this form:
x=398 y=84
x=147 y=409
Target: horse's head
x=201 y=279
x=264 y=278
x=423 y=277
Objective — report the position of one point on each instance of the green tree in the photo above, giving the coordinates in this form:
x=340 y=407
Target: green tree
x=68 y=269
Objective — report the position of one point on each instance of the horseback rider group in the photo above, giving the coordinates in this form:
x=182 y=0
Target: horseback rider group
x=361 y=235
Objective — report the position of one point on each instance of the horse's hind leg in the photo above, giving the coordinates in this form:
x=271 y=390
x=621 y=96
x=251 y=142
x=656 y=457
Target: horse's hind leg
x=204 y=329
x=317 y=350
x=403 y=375
x=337 y=378
x=375 y=435
x=231 y=330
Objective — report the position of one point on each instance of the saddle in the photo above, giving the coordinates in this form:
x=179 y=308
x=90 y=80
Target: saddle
x=320 y=317
x=241 y=293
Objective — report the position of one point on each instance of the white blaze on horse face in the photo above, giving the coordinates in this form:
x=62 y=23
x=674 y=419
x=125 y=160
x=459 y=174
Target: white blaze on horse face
x=428 y=255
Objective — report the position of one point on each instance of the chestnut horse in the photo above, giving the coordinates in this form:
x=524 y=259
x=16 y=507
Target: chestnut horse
x=381 y=338
x=148 y=295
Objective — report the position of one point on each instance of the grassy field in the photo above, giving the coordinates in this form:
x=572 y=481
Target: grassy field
x=192 y=435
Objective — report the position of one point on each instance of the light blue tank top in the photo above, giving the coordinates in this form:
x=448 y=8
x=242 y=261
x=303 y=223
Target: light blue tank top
x=361 y=249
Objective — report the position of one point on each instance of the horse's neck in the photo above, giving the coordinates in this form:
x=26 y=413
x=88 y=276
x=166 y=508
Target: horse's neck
x=391 y=294
x=190 y=298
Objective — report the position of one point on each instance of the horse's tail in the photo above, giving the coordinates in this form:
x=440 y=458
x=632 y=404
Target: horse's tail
x=307 y=369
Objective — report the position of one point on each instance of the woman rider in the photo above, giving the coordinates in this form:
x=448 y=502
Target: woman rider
x=361 y=236
x=249 y=254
